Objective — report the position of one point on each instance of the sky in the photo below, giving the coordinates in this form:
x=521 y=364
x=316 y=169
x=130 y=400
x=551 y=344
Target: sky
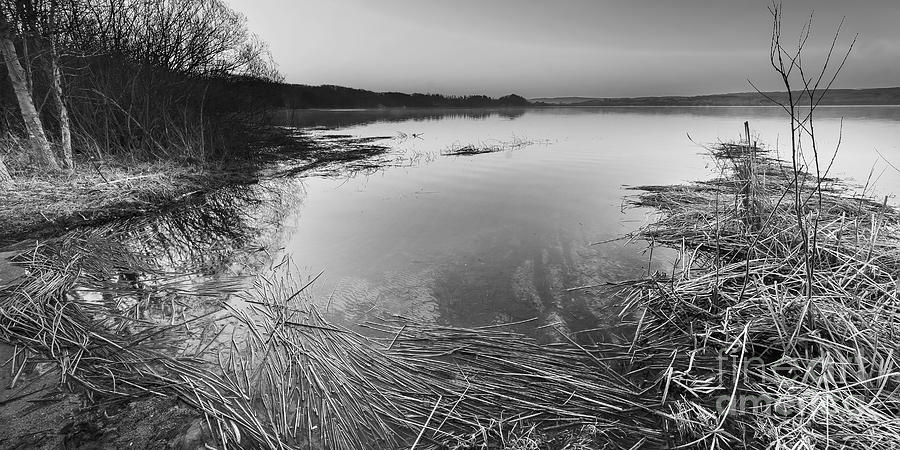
x=594 y=48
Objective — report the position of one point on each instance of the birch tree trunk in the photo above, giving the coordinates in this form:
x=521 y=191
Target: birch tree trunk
x=6 y=180
x=64 y=131
x=40 y=145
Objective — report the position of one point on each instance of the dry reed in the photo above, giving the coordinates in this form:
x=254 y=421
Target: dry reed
x=121 y=321
x=762 y=354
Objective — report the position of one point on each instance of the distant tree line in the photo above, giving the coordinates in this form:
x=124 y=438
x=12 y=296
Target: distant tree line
x=278 y=95
x=332 y=118
x=137 y=77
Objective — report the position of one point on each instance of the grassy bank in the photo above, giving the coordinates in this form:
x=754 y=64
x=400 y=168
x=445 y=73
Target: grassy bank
x=98 y=191
x=781 y=318
x=40 y=206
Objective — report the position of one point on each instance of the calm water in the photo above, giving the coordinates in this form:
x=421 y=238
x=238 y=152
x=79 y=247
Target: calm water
x=475 y=240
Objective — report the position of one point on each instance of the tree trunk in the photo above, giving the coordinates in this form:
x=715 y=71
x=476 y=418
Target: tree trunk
x=40 y=146
x=6 y=180
x=26 y=56
x=64 y=132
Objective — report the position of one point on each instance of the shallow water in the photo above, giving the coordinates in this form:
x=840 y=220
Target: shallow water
x=474 y=240
x=506 y=236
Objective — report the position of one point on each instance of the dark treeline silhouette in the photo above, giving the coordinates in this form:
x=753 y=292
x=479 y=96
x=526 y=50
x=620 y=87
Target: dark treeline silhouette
x=331 y=118
x=298 y=96
x=141 y=78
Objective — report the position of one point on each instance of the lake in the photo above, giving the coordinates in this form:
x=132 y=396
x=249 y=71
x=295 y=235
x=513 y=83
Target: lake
x=517 y=234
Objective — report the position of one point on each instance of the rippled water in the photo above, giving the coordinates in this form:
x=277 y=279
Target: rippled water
x=512 y=235
x=474 y=240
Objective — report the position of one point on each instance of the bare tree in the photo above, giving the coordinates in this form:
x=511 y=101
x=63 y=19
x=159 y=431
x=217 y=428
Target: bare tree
x=128 y=76
x=805 y=91
x=41 y=150
x=65 y=134
x=56 y=89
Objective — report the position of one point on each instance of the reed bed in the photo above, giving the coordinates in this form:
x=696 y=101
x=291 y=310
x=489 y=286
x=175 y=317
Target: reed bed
x=783 y=333
x=487 y=147
x=121 y=322
x=403 y=385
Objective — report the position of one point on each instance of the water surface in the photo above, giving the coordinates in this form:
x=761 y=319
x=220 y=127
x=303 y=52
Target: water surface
x=476 y=240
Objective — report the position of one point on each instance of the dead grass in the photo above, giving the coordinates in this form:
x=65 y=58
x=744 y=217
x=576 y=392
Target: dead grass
x=492 y=146
x=269 y=372
x=762 y=354
x=41 y=205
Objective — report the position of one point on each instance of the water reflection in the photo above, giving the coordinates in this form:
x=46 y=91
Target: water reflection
x=175 y=264
x=312 y=118
x=217 y=233
x=217 y=244
x=308 y=118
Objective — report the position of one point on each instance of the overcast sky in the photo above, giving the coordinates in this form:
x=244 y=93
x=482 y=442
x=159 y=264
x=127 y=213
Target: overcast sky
x=601 y=48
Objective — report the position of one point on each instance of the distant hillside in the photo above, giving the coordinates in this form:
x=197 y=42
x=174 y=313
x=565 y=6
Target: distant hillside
x=875 y=96
x=300 y=96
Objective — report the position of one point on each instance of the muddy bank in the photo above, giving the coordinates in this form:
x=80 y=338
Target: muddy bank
x=39 y=413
